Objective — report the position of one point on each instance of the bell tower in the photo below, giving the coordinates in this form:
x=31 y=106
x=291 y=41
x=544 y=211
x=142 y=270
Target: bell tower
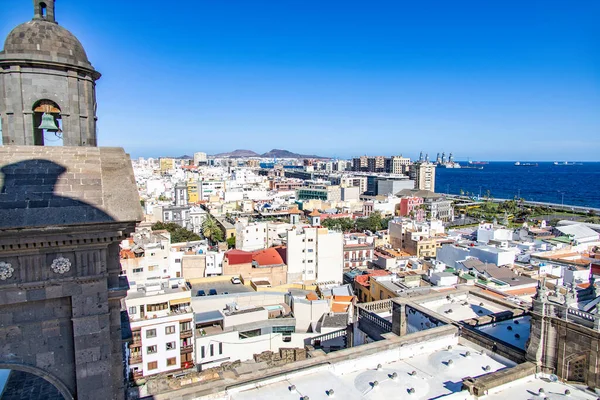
x=44 y=9
x=47 y=84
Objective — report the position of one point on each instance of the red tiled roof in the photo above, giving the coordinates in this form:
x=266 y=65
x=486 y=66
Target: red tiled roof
x=339 y=308
x=238 y=257
x=268 y=256
x=314 y=213
x=312 y=296
x=125 y=254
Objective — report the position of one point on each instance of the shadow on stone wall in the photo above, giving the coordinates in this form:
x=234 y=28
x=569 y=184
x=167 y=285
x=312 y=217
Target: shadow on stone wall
x=28 y=196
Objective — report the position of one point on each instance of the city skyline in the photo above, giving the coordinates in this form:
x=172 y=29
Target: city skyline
x=342 y=80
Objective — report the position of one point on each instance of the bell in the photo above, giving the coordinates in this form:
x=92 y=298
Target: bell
x=48 y=123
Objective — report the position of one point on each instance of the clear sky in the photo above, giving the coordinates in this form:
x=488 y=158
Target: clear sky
x=489 y=80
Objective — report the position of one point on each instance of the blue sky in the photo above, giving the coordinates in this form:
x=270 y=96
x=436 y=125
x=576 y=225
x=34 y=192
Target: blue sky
x=482 y=79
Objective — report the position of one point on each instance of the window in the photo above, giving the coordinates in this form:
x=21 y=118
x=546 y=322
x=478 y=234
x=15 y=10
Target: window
x=178 y=260
x=170 y=329
x=132 y=310
x=151 y=349
x=170 y=346
x=212 y=350
x=171 y=361
x=310 y=261
x=220 y=348
x=152 y=365
x=138 y=270
x=311 y=240
x=311 y=250
x=150 y=333
x=202 y=352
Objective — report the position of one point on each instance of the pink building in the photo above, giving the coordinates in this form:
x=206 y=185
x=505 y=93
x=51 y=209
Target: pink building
x=410 y=205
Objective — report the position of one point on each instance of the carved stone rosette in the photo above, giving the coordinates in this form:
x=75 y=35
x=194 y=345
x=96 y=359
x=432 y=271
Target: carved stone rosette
x=6 y=270
x=61 y=265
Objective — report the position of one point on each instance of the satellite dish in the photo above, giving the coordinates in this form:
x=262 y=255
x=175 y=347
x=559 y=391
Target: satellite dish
x=553 y=378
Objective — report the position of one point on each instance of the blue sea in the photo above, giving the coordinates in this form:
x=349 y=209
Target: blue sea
x=577 y=185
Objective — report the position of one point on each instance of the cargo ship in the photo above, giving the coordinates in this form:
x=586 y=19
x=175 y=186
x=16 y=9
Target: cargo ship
x=525 y=164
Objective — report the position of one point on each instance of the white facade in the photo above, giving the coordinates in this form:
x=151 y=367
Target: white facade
x=315 y=254
x=160 y=316
x=493 y=255
x=200 y=157
x=488 y=231
x=250 y=237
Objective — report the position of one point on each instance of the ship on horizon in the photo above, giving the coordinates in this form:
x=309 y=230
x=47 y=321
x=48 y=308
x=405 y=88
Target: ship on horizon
x=479 y=162
x=525 y=164
x=567 y=163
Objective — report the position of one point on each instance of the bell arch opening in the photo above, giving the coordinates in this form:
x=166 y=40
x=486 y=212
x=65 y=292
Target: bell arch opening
x=24 y=381
x=47 y=124
x=43 y=9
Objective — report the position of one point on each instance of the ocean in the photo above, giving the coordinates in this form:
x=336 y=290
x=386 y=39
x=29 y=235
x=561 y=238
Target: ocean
x=577 y=185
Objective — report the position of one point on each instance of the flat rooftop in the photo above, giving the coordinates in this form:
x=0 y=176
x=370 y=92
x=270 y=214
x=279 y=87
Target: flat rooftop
x=461 y=307
x=513 y=331
x=221 y=287
x=435 y=375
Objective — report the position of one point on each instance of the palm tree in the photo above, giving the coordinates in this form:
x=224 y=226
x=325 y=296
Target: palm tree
x=211 y=230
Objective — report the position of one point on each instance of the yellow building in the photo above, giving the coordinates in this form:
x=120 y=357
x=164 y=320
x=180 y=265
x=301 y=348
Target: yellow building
x=192 y=189
x=167 y=164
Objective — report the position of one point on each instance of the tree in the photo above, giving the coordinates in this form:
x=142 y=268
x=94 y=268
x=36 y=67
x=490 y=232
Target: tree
x=178 y=233
x=231 y=242
x=211 y=230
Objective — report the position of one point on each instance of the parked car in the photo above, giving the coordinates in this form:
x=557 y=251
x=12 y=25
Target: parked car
x=235 y=280
x=212 y=292
x=188 y=285
x=225 y=293
x=201 y=293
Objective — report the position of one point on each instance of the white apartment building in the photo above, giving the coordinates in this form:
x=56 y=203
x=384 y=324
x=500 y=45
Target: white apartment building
x=400 y=165
x=250 y=236
x=315 y=254
x=423 y=173
x=200 y=158
x=488 y=231
x=146 y=255
x=208 y=188
x=161 y=321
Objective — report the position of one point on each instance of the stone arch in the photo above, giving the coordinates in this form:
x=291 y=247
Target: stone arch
x=54 y=381
x=577 y=366
x=46 y=107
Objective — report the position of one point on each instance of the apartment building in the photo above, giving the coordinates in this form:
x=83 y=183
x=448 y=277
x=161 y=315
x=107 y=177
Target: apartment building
x=359 y=251
x=147 y=255
x=423 y=173
x=161 y=320
x=400 y=165
x=314 y=255
x=250 y=236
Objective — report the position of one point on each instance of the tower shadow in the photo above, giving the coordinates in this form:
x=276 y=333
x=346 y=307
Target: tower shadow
x=28 y=197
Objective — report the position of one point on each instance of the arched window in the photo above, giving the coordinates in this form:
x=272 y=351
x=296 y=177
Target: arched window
x=43 y=9
x=47 y=124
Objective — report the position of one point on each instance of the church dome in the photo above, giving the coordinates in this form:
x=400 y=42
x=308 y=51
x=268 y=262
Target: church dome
x=43 y=40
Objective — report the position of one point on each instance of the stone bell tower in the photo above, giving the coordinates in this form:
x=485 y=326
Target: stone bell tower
x=45 y=72
x=63 y=212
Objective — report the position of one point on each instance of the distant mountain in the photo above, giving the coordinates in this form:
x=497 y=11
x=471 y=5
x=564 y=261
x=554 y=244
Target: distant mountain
x=184 y=157
x=238 y=153
x=277 y=153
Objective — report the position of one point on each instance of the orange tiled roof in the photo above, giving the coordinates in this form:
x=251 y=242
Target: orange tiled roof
x=312 y=296
x=314 y=213
x=339 y=308
x=268 y=256
x=342 y=299
x=521 y=292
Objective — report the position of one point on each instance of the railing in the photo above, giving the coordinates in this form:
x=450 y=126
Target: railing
x=187 y=364
x=135 y=359
x=379 y=305
x=581 y=314
x=375 y=319
x=138 y=374
x=187 y=349
x=185 y=334
x=328 y=336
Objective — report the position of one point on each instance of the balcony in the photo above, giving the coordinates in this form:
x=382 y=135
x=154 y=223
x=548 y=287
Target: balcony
x=185 y=334
x=135 y=359
x=187 y=364
x=135 y=344
x=138 y=374
x=187 y=349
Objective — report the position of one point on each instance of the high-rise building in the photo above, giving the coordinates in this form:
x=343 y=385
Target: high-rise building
x=399 y=165
x=423 y=173
x=200 y=158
